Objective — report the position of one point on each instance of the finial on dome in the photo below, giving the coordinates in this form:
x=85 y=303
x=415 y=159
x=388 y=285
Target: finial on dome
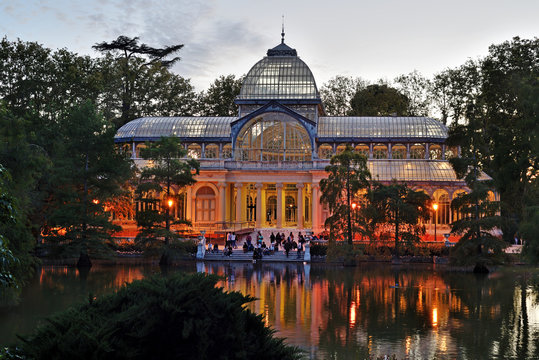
x=282 y=33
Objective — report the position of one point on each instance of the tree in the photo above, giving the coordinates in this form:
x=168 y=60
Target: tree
x=418 y=91
x=337 y=93
x=7 y=218
x=88 y=170
x=168 y=169
x=379 y=100
x=218 y=100
x=176 y=317
x=401 y=206
x=348 y=176
x=133 y=58
x=478 y=245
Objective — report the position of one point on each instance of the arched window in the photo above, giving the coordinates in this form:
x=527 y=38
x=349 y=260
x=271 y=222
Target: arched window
x=273 y=137
x=271 y=209
x=227 y=151
x=398 y=151
x=417 y=151
x=441 y=197
x=340 y=148
x=325 y=151
x=251 y=208
x=205 y=204
x=138 y=148
x=362 y=149
x=435 y=152
x=211 y=151
x=290 y=211
x=194 y=151
x=379 y=151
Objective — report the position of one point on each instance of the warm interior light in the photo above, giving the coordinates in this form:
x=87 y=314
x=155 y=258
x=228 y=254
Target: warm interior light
x=435 y=207
x=354 y=206
x=95 y=201
x=170 y=202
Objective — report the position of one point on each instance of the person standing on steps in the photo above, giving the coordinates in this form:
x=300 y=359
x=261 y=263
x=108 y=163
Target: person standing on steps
x=260 y=238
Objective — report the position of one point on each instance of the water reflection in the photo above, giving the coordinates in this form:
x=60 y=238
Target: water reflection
x=340 y=313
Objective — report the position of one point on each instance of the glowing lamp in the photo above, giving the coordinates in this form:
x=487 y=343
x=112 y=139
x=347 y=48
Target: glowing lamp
x=435 y=207
x=170 y=203
x=354 y=205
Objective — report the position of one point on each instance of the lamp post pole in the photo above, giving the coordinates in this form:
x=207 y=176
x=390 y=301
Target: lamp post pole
x=354 y=205
x=435 y=207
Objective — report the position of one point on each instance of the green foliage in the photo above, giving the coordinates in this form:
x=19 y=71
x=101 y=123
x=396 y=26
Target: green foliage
x=87 y=171
x=379 y=100
x=401 y=206
x=319 y=249
x=7 y=218
x=218 y=100
x=348 y=175
x=417 y=90
x=168 y=169
x=337 y=93
x=343 y=252
x=529 y=227
x=180 y=317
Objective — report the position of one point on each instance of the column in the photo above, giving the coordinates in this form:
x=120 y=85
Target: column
x=370 y=150
x=239 y=201
x=279 y=187
x=408 y=150
x=194 y=209
x=133 y=150
x=299 y=213
x=258 y=187
x=443 y=151
x=222 y=202
x=189 y=202
x=316 y=206
x=389 y=151
x=427 y=153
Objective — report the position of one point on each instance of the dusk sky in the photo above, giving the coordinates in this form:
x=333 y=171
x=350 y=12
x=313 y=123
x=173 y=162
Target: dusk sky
x=370 y=39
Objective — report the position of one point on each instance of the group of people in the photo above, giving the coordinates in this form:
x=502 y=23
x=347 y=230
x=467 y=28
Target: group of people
x=260 y=248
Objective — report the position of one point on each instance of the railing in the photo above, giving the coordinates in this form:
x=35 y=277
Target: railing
x=293 y=165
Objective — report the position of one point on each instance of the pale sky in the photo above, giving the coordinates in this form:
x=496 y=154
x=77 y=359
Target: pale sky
x=370 y=39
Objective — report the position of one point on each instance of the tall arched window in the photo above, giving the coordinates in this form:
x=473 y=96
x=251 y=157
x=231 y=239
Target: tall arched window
x=379 y=151
x=457 y=215
x=205 y=204
x=271 y=209
x=290 y=211
x=211 y=151
x=417 y=151
x=227 y=151
x=398 y=151
x=441 y=197
x=362 y=149
x=194 y=151
x=325 y=151
x=435 y=152
x=340 y=148
x=273 y=137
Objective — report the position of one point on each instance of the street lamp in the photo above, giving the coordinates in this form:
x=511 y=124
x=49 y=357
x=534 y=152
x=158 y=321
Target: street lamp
x=435 y=207
x=170 y=203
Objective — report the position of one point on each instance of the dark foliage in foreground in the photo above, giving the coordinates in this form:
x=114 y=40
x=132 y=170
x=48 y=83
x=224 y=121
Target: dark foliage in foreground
x=181 y=317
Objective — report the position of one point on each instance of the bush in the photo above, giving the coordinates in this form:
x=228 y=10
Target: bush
x=345 y=253
x=319 y=250
x=179 y=317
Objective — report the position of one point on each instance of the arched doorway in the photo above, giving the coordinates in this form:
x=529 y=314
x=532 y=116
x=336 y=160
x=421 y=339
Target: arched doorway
x=205 y=204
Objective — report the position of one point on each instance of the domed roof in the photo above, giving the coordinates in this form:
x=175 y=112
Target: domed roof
x=281 y=75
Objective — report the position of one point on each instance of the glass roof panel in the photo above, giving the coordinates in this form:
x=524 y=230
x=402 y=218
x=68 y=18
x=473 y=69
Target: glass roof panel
x=183 y=127
x=279 y=77
x=414 y=170
x=381 y=127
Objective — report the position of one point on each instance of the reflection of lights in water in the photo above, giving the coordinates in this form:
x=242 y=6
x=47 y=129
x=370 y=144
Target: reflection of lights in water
x=435 y=317
x=352 y=314
x=266 y=315
x=443 y=343
x=408 y=343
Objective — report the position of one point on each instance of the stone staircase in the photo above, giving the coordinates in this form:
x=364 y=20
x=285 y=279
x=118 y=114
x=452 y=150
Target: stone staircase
x=239 y=255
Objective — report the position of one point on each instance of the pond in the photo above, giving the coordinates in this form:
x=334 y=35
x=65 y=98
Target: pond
x=373 y=310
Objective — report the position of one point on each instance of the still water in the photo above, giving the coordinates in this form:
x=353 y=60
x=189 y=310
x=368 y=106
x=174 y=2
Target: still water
x=420 y=312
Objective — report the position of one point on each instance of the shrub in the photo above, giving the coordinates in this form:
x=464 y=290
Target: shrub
x=345 y=253
x=179 y=317
x=319 y=250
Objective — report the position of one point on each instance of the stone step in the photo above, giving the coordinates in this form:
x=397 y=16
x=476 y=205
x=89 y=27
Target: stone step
x=241 y=256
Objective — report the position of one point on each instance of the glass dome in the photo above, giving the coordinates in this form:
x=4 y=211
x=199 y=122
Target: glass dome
x=281 y=76
x=273 y=137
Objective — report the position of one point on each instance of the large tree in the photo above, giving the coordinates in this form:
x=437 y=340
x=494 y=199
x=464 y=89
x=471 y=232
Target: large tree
x=404 y=208
x=218 y=100
x=168 y=169
x=379 y=100
x=348 y=176
x=133 y=57
x=417 y=89
x=87 y=171
x=337 y=93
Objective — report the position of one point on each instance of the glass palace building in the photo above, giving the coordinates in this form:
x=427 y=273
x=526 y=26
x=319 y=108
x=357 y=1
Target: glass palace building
x=261 y=170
